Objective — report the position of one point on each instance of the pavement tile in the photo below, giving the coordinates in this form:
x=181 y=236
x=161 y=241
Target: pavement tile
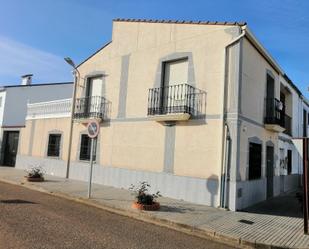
x=266 y=231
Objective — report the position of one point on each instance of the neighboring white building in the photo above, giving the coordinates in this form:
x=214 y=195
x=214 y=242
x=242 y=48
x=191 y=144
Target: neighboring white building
x=296 y=106
x=13 y=110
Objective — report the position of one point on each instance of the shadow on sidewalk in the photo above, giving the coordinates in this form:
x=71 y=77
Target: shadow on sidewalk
x=284 y=205
x=165 y=208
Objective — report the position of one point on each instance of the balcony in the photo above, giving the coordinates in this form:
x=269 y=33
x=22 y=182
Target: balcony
x=275 y=117
x=51 y=109
x=93 y=107
x=175 y=103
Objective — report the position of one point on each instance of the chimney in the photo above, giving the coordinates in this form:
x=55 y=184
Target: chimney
x=26 y=79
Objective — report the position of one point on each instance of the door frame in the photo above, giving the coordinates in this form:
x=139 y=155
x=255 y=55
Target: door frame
x=163 y=86
x=4 y=146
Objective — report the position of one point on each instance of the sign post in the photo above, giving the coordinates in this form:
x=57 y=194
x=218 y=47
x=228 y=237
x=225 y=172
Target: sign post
x=93 y=129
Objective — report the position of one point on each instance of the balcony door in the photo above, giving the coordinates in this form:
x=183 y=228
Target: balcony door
x=270 y=99
x=270 y=94
x=175 y=76
x=94 y=94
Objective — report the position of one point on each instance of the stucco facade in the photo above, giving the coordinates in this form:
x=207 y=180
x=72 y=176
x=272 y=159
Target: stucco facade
x=184 y=159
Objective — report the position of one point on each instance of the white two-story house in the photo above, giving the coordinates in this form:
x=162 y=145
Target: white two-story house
x=200 y=110
x=13 y=110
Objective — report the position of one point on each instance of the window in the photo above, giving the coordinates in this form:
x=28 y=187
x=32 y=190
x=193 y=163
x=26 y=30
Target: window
x=54 y=145
x=289 y=162
x=255 y=161
x=85 y=148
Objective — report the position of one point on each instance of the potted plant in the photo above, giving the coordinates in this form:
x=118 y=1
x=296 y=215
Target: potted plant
x=35 y=174
x=143 y=199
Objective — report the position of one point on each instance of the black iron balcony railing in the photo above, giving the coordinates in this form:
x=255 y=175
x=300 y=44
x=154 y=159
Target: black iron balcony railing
x=90 y=107
x=181 y=98
x=274 y=112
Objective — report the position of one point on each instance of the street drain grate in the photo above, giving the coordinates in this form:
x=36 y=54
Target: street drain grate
x=16 y=201
x=248 y=222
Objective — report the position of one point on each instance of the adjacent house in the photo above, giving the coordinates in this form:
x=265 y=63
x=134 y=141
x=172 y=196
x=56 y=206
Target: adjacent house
x=13 y=110
x=200 y=110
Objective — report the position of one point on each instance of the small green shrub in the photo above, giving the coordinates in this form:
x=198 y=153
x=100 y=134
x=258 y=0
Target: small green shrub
x=142 y=195
x=35 y=172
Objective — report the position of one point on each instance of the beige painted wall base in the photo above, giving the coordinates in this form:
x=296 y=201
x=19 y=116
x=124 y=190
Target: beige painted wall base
x=196 y=190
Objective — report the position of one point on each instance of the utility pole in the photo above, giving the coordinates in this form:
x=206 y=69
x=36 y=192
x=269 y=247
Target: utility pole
x=76 y=77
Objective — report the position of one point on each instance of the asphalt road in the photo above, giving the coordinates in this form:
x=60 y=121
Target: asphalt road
x=30 y=220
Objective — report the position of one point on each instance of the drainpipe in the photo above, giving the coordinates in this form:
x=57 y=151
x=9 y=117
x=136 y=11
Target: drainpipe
x=226 y=164
x=225 y=130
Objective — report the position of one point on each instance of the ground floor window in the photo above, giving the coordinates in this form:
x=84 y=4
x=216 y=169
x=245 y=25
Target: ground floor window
x=85 y=148
x=255 y=161
x=289 y=163
x=54 y=145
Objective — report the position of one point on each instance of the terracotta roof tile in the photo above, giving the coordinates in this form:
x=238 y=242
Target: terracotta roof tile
x=180 y=22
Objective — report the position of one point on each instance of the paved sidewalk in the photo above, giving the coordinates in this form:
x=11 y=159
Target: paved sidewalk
x=235 y=228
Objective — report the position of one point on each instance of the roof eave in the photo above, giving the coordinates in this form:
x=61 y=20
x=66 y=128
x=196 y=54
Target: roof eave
x=93 y=54
x=252 y=38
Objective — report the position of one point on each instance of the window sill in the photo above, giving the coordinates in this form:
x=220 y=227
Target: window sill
x=86 y=161
x=53 y=157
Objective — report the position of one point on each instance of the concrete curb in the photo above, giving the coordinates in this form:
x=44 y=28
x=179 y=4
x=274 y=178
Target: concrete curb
x=145 y=216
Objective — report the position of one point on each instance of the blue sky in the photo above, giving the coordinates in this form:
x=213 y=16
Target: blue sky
x=35 y=35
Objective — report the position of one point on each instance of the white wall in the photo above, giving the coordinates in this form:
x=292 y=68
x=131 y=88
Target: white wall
x=2 y=105
x=17 y=98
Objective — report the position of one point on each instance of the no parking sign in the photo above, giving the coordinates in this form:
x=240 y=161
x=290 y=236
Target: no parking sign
x=93 y=128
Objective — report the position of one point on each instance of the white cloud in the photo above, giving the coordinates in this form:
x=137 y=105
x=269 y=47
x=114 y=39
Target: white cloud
x=17 y=59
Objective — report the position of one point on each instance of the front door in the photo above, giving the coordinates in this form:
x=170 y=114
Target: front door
x=10 y=143
x=270 y=170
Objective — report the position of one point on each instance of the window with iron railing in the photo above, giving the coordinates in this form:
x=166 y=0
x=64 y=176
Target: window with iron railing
x=91 y=107
x=182 y=98
x=274 y=111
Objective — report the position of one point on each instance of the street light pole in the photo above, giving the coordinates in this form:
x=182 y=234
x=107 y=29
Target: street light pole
x=76 y=77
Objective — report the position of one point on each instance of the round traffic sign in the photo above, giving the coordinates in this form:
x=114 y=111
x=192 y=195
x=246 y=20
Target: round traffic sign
x=93 y=128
